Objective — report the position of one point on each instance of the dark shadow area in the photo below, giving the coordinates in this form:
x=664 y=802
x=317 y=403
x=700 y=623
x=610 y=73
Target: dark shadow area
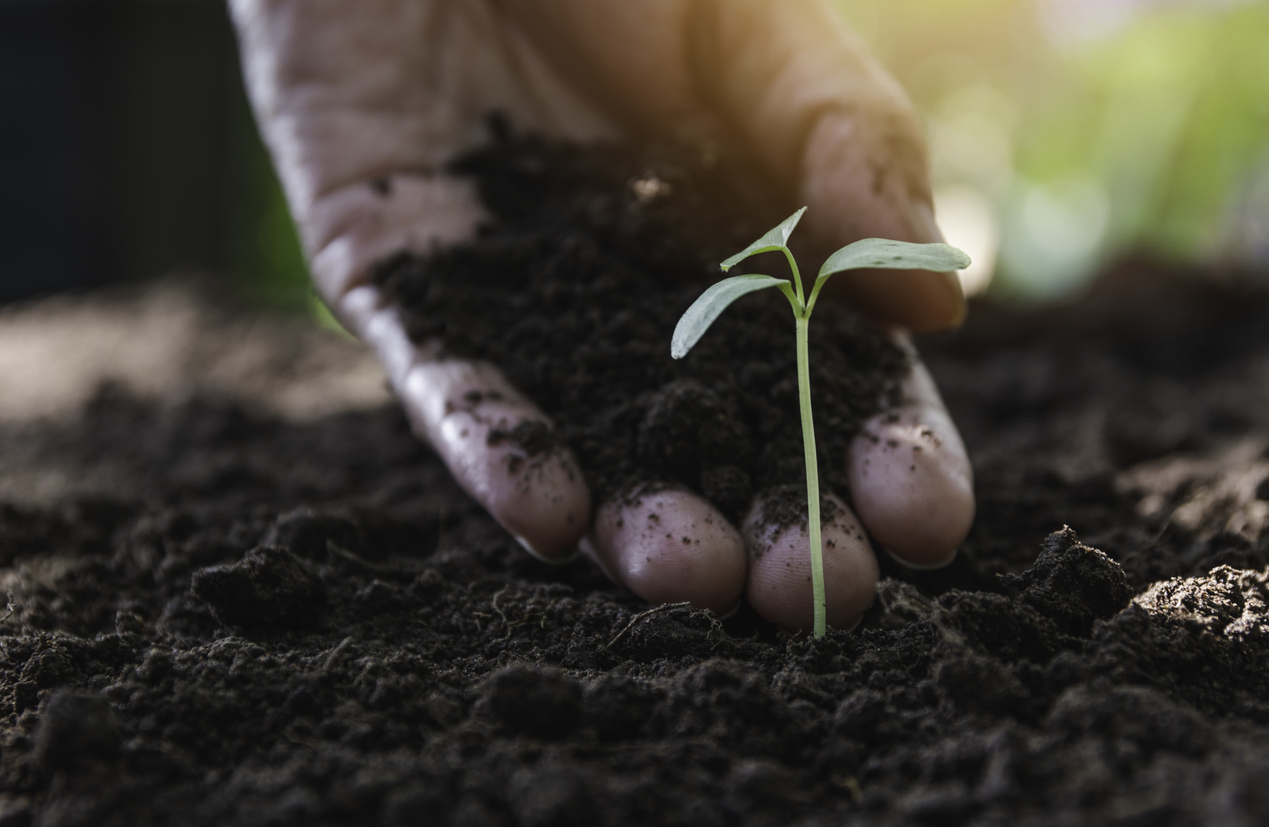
x=129 y=148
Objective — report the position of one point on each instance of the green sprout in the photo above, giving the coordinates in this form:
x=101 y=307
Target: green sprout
x=871 y=253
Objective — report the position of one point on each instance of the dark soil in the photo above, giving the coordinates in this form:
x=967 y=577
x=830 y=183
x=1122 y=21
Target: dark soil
x=574 y=290
x=271 y=623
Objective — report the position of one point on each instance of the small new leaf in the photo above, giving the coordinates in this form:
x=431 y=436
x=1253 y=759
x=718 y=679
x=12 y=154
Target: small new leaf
x=895 y=255
x=774 y=239
x=710 y=305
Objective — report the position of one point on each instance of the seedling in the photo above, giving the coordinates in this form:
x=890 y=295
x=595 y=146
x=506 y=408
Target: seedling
x=872 y=253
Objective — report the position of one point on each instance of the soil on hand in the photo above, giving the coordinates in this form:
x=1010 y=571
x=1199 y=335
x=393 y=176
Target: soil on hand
x=574 y=289
x=220 y=617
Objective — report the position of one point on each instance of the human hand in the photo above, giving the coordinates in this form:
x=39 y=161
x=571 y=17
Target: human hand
x=363 y=102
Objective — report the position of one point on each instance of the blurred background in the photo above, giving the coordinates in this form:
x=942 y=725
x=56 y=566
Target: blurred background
x=129 y=151
x=1064 y=134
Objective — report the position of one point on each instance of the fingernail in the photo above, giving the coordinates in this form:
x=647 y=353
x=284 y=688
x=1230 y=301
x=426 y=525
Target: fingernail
x=944 y=563
x=558 y=560
x=729 y=611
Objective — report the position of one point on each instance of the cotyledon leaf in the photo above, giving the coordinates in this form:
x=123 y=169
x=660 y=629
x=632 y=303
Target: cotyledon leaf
x=894 y=255
x=710 y=305
x=774 y=239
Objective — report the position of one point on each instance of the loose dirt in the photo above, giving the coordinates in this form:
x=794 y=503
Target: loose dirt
x=217 y=615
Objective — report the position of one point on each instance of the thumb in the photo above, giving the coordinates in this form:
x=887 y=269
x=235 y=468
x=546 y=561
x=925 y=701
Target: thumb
x=798 y=86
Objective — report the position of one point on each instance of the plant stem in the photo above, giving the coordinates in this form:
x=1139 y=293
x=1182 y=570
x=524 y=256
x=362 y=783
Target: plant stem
x=812 y=475
x=797 y=277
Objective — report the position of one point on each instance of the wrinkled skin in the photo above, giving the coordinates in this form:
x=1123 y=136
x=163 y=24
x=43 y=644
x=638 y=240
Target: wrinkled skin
x=362 y=103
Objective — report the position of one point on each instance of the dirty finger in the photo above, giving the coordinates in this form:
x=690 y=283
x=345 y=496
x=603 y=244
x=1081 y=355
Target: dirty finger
x=498 y=445
x=910 y=478
x=778 y=544
x=670 y=546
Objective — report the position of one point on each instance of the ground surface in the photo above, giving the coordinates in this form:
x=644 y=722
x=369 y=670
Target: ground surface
x=225 y=609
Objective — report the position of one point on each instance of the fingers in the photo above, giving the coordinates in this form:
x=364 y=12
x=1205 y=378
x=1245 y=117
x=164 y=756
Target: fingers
x=498 y=445
x=672 y=546
x=910 y=478
x=669 y=547
x=779 y=583
x=500 y=449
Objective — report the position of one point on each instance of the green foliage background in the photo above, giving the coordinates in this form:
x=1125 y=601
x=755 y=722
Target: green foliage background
x=1092 y=128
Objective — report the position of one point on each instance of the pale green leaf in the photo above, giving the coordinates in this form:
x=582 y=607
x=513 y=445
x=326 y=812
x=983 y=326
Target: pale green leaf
x=774 y=239
x=710 y=305
x=895 y=255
